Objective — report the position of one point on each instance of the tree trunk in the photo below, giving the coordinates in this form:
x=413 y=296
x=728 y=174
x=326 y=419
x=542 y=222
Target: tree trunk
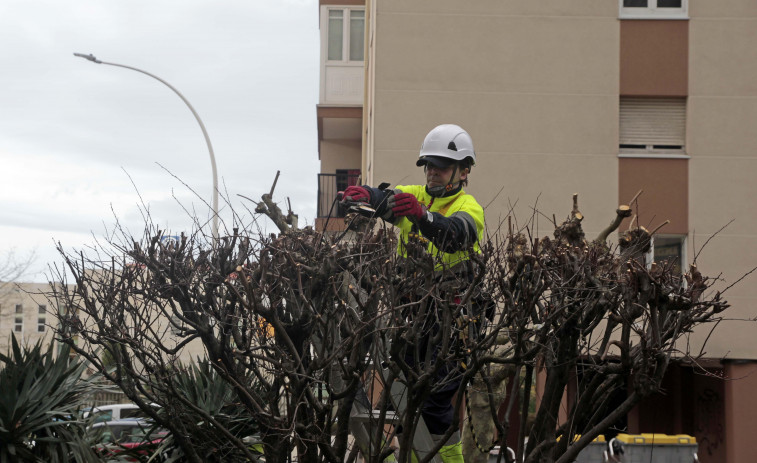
x=479 y=430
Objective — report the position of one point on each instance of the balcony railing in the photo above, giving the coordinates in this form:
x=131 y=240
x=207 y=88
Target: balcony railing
x=328 y=186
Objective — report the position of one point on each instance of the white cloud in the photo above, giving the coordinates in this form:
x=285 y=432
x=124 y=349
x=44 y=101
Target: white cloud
x=71 y=127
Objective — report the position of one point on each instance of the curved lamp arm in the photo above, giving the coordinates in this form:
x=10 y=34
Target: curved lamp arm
x=92 y=58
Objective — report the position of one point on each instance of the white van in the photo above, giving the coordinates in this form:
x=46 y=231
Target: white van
x=115 y=412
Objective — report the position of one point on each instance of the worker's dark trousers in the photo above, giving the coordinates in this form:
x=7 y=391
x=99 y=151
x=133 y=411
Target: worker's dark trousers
x=437 y=410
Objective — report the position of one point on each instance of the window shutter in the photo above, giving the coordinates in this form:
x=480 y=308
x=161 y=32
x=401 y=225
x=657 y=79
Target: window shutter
x=653 y=121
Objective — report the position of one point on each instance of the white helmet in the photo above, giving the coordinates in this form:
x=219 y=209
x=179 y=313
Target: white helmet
x=448 y=141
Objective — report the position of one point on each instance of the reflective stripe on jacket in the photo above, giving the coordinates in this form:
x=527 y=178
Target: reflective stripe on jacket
x=461 y=205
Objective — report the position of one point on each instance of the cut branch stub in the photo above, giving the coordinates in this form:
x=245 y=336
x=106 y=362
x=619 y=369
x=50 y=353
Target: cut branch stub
x=273 y=211
x=621 y=213
x=571 y=231
x=635 y=243
x=575 y=213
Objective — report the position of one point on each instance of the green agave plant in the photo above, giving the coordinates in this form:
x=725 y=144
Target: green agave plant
x=204 y=388
x=42 y=395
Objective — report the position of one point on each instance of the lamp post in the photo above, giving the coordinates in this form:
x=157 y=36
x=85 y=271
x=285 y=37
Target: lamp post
x=91 y=57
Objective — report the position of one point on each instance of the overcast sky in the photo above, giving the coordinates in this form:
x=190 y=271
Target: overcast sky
x=74 y=135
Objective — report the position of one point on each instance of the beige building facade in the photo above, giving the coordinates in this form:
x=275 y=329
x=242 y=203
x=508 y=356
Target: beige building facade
x=25 y=313
x=603 y=98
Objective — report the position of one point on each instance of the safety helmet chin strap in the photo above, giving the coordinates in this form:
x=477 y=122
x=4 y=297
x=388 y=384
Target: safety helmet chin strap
x=439 y=191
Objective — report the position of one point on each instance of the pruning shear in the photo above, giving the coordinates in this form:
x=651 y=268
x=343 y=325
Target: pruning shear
x=357 y=207
x=360 y=207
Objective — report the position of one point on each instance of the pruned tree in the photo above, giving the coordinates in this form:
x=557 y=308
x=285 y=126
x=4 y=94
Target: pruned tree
x=585 y=313
x=305 y=328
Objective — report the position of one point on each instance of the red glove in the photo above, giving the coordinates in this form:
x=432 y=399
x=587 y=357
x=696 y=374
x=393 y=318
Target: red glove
x=357 y=194
x=407 y=205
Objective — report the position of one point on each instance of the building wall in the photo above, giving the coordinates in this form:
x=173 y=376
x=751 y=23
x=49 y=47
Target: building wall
x=654 y=58
x=29 y=297
x=340 y=154
x=722 y=143
x=740 y=405
x=535 y=84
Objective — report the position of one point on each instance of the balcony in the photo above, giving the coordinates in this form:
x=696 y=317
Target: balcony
x=328 y=186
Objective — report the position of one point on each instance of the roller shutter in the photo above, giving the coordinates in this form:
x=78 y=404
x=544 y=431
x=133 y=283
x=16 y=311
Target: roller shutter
x=653 y=123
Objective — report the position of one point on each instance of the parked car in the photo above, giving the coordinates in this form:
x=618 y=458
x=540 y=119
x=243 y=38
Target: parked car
x=127 y=436
x=114 y=412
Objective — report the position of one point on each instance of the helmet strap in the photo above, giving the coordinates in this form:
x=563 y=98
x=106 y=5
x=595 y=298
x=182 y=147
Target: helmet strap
x=450 y=186
x=448 y=189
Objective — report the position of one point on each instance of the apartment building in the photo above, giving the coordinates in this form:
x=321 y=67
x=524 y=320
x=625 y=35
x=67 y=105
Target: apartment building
x=603 y=98
x=26 y=313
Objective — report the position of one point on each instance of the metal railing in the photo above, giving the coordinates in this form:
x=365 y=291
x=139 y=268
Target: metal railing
x=328 y=186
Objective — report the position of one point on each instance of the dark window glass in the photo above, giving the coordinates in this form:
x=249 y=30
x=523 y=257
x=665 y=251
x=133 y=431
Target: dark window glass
x=103 y=415
x=667 y=147
x=669 y=250
x=341 y=179
x=132 y=413
x=669 y=3
x=635 y=3
x=345 y=178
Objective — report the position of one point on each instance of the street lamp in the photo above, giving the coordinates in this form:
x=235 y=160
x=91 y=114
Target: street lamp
x=91 y=57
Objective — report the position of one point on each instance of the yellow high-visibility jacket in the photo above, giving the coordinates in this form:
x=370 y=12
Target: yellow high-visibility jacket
x=460 y=205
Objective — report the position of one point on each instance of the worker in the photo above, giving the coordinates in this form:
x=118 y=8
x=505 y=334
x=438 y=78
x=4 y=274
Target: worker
x=451 y=222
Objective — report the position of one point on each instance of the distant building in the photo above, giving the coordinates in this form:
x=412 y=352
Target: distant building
x=25 y=312
x=604 y=98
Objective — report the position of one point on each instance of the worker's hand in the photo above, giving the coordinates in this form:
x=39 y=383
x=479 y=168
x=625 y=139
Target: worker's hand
x=357 y=194
x=407 y=205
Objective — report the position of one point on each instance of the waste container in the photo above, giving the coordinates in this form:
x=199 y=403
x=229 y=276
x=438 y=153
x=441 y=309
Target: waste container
x=652 y=448
x=594 y=452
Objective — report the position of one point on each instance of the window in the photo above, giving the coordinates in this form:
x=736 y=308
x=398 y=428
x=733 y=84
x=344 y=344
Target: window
x=346 y=177
x=669 y=250
x=19 y=308
x=336 y=34
x=654 y=9
x=40 y=325
x=18 y=325
x=133 y=413
x=342 y=30
x=42 y=309
x=652 y=125
x=101 y=416
x=346 y=32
